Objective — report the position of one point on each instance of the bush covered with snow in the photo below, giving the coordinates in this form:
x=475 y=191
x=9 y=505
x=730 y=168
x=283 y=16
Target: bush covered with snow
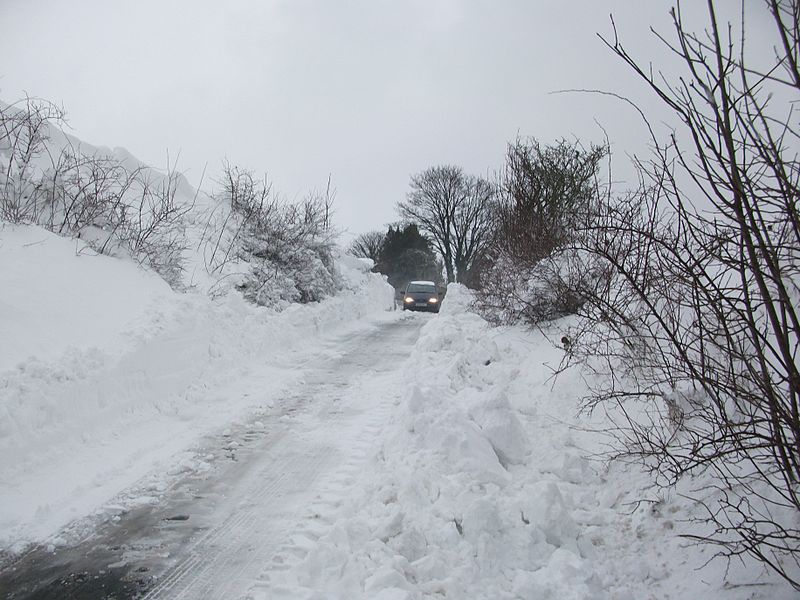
x=544 y=290
x=275 y=252
x=117 y=205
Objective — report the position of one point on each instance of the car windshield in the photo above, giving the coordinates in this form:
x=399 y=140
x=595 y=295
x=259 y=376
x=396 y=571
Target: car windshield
x=421 y=287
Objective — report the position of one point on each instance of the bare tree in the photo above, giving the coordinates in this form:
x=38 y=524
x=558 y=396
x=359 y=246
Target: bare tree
x=454 y=210
x=368 y=245
x=700 y=322
x=472 y=229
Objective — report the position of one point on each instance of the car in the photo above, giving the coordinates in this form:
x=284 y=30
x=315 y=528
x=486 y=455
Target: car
x=421 y=295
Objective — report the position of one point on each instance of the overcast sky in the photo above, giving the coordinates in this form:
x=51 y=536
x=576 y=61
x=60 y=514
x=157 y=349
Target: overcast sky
x=369 y=91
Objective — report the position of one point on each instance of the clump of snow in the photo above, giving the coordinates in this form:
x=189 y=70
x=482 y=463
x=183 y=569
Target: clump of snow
x=459 y=299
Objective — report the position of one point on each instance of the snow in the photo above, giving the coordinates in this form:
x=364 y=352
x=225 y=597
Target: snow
x=40 y=304
x=465 y=472
x=106 y=374
x=484 y=488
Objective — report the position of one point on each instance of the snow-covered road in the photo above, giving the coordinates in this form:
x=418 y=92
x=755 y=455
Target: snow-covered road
x=262 y=496
x=165 y=446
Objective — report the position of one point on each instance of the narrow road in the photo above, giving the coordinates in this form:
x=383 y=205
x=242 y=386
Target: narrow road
x=273 y=490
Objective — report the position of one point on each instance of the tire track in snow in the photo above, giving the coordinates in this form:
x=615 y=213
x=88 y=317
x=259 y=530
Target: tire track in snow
x=285 y=512
x=333 y=492
x=234 y=551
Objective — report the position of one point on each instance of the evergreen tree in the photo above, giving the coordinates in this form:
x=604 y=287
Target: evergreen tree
x=406 y=255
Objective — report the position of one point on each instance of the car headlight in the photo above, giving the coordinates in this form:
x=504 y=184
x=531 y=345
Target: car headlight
x=433 y=300
x=409 y=299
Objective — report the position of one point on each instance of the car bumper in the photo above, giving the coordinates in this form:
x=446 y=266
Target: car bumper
x=423 y=308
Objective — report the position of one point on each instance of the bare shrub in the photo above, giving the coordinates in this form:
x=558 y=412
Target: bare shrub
x=698 y=327
x=152 y=228
x=83 y=192
x=250 y=209
x=546 y=195
x=114 y=209
x=24 y=133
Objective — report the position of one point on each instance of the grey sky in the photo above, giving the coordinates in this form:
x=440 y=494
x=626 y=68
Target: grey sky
x=369 y=91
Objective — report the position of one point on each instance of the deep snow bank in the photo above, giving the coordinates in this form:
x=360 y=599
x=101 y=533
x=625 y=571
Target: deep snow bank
x=55 y=293
x=105 y=372
x=483 y=489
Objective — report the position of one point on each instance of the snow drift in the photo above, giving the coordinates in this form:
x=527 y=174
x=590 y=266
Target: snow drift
x=484 y=488
x=105 y=372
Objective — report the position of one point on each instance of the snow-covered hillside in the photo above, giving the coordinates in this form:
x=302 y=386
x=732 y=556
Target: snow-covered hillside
x=244 y=235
